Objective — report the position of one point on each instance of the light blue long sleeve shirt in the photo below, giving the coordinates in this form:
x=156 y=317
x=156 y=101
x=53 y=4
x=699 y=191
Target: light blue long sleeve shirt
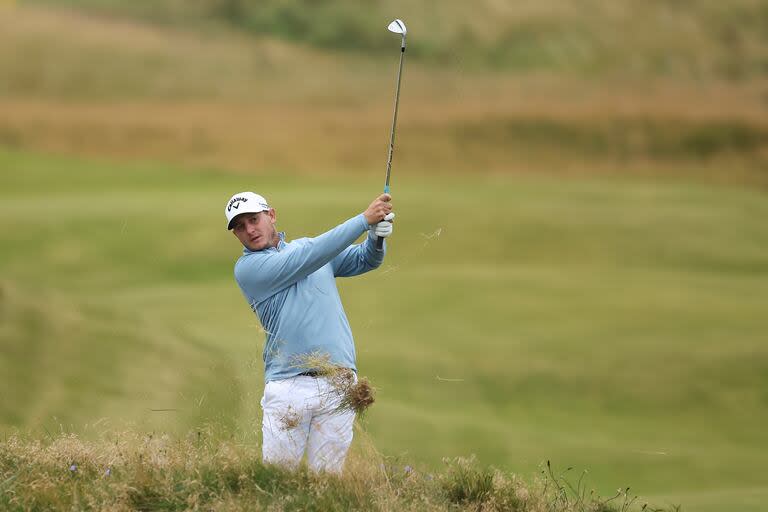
x=292 y=289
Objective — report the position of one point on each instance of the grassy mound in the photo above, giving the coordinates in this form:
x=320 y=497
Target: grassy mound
x=133 y=471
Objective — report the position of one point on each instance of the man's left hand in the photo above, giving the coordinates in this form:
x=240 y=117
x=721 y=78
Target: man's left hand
x=384 y=228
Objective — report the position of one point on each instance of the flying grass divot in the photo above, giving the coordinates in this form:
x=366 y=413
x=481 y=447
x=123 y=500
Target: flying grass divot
x=351 y=394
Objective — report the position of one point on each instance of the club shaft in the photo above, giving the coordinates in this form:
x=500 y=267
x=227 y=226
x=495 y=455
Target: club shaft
x=394 y=121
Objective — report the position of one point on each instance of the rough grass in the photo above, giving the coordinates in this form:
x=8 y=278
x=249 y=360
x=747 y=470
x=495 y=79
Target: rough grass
x=204 y=471
x=698 y=39
x=718 y=148
x=120 y=88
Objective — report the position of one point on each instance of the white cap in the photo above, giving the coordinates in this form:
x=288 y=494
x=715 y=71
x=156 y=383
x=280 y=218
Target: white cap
x=244 y=202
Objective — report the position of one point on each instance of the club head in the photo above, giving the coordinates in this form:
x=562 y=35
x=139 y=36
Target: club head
x=398 y=27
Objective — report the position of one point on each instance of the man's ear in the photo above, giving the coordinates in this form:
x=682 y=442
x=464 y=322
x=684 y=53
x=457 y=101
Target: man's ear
x=272 y=215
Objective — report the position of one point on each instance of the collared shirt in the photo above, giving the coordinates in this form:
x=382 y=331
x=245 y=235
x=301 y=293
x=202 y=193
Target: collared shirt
x=292 y=289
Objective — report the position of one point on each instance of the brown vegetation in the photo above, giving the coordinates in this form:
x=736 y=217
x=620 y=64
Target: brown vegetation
x=352 y=393
x=126 y=471
x=119 y=89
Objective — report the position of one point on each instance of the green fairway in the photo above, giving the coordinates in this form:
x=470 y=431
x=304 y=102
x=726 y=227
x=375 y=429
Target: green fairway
x=612 y=325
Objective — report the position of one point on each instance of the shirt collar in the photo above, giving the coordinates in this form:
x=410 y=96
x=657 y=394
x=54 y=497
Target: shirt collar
x=280 y=244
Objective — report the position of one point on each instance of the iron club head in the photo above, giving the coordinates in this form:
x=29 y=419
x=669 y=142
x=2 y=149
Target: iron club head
x=398 y=27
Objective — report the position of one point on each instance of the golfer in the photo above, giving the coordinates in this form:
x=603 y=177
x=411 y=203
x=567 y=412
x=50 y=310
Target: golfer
x=291 y=286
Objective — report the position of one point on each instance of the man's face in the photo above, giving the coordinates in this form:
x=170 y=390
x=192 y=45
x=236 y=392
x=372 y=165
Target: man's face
x=256 y=231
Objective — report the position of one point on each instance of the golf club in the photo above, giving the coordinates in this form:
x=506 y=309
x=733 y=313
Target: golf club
x=398 y=27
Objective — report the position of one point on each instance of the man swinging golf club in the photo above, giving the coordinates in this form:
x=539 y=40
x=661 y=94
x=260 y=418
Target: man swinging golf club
x=291 y=286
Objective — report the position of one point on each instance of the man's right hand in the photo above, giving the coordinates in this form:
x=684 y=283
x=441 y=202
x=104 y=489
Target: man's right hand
x=378 y=209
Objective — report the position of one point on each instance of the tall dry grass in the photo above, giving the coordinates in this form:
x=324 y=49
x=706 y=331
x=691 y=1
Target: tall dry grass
x=303 y=139
x=77 y=84
x=208 y=470
x=696 y=38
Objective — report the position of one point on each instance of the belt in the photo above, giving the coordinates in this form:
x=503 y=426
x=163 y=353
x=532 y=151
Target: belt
x=316 y=373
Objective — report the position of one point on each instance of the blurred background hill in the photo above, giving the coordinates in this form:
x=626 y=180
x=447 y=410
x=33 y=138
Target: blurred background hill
x=698 y=39
x=658 y=87
x=579 y=269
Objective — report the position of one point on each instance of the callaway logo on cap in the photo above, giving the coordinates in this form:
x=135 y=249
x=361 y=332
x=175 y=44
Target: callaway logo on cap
x=234 y=203
x=244 y=202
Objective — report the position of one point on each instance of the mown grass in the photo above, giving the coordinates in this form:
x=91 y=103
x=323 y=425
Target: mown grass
x=201 y=471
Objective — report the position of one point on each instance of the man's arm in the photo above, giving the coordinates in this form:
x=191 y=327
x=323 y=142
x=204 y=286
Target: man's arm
x=358 y=259
x=264 y=274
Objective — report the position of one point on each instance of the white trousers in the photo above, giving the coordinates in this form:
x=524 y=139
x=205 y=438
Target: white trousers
x=300 y=415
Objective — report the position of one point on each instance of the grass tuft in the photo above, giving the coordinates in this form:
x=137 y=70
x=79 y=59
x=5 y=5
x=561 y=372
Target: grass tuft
x=352 y=394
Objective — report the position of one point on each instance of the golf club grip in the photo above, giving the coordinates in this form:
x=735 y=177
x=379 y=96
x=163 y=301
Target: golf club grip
x=380 y=243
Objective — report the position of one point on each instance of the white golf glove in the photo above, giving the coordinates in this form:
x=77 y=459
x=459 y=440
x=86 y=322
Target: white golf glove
x=384 y=228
